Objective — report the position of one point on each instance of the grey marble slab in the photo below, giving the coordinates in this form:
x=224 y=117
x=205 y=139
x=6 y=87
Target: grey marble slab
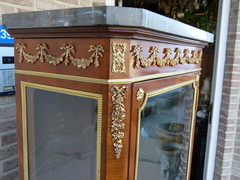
x=103 y=16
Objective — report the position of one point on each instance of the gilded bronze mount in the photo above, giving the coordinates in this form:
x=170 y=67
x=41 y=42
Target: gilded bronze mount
x=166 y=60
x=66 y=57
x=118 y=116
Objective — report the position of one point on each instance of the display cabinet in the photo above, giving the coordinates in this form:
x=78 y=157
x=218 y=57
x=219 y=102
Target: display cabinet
x=105 y=93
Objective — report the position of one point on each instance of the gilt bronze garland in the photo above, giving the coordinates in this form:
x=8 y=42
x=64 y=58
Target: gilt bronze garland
x=118 y=117
x=166 y=60
x=66 y=57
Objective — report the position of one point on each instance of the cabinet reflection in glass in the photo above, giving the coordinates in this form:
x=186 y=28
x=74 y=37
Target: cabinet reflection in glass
x=62 y=135
x=164 y=135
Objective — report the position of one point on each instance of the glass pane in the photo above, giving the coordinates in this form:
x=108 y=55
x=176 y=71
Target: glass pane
x=61 y=136
x=164 y=135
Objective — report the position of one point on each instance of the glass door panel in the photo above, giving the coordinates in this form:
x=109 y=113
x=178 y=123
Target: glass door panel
x=61 y=135
x=165 y=126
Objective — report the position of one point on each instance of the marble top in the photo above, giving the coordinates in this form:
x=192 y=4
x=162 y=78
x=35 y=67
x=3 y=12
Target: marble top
x=103 y=16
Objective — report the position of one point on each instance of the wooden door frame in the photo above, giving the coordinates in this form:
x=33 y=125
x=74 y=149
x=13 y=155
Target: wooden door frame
x=150 y=88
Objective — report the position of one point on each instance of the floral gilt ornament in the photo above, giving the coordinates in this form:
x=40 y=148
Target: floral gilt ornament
x=66 y=57
x=118 y=116
x=153 y=60
x=118 y=57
